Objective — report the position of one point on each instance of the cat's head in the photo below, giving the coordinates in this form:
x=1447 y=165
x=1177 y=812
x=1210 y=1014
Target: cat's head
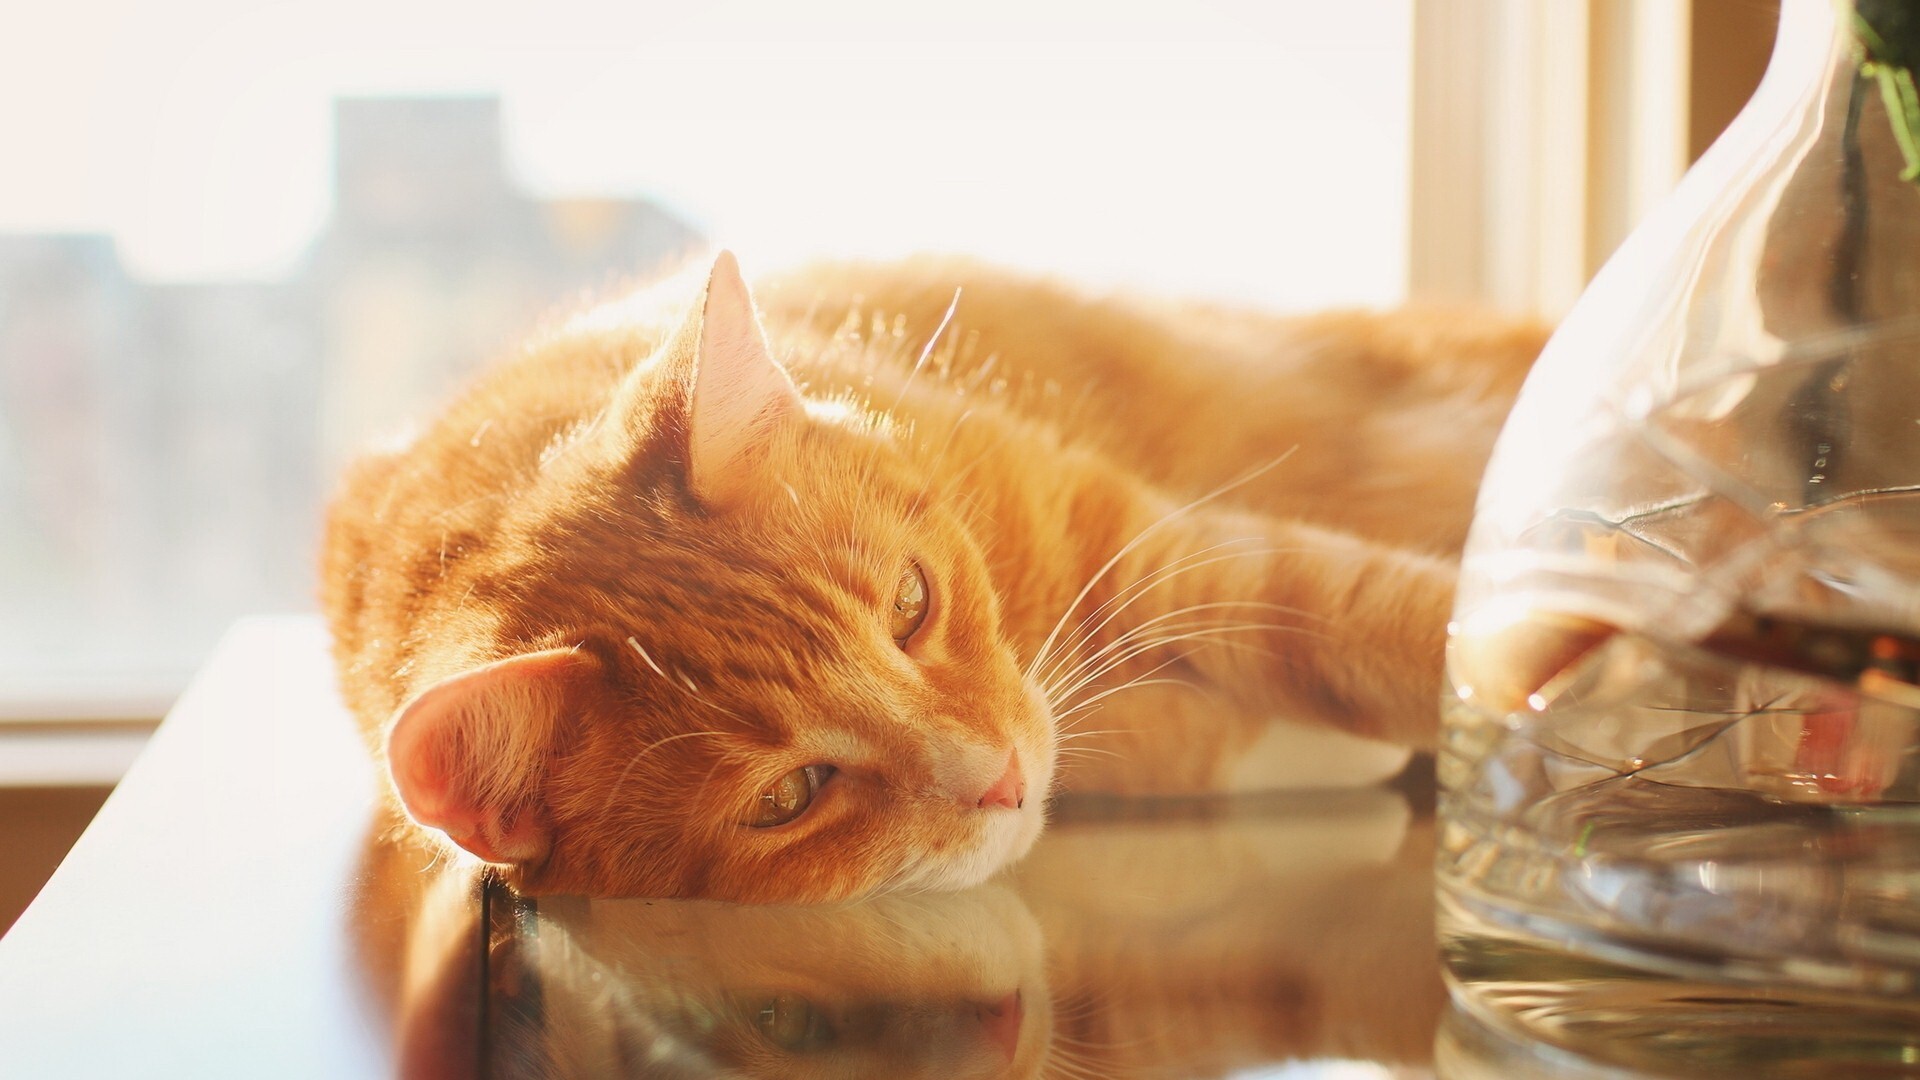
x=728 y=642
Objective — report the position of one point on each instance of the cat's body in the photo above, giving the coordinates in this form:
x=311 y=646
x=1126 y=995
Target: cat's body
x=635 y=589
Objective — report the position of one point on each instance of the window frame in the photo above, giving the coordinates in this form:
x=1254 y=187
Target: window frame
x=1541 y=134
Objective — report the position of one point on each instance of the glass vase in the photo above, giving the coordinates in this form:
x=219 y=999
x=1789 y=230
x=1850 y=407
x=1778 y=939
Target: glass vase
x=1681 y=762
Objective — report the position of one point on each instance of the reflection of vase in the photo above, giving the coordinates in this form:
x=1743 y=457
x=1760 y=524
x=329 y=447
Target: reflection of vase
x=1682 y=759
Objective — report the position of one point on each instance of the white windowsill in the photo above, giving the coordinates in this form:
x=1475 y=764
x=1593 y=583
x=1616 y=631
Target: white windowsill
x=69 y=755
x=95 y=697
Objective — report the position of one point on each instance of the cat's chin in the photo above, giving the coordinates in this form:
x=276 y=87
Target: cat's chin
x=1004 y=839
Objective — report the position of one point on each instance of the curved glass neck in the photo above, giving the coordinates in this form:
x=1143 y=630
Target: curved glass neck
x=1792 y=238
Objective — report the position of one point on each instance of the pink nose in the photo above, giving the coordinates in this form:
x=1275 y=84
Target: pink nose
x=1010 y=790
x=1000 y=1023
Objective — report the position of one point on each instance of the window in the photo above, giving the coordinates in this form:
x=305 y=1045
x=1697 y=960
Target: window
x=254 y=237
x=246 y=240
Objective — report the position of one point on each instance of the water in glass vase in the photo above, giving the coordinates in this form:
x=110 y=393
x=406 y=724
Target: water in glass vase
x=1681 y=767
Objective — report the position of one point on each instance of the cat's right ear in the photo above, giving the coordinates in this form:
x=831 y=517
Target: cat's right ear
x=469 y=755
x=739 y=394
x=724 y=400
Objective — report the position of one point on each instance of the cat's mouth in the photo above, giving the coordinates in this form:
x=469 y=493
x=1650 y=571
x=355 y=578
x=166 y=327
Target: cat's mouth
x=990 y=840
x=1003 y=837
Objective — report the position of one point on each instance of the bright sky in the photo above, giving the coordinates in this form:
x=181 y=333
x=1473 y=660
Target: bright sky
x=1246 y=148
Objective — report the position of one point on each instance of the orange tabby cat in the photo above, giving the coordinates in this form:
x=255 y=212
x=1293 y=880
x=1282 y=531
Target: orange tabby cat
x=678 y=603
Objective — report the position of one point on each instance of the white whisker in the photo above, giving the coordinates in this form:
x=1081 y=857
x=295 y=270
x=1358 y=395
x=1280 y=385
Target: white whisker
x=1075 y=674
x=1053 y=669
x=646 y=657
x=1068 y=751
x=1095 y=700
x=1072 y=735
x=926 y=352
x=1121 y=657
x=1131 y=593
x=636 y=759
x=1138 y=680
x=1142 y=535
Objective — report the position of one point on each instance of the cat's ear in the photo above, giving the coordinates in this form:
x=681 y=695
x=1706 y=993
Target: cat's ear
x=740 y=394
x=469 y=754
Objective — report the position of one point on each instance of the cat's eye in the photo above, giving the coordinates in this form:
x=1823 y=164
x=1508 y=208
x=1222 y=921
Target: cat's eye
x=791 y=1022
x=909 y=603
x=788 y=797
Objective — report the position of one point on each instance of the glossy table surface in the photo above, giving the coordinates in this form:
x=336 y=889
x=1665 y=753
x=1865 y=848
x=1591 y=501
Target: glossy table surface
x=243 y=906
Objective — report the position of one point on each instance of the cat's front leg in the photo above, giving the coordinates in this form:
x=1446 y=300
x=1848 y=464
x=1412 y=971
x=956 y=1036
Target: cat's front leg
x=1356 y=637
x=1246 y=615
x=1171 y=734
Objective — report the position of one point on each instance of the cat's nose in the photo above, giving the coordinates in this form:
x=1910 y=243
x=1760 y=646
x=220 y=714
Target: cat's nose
x=1010 y=790
x=1000 y=1023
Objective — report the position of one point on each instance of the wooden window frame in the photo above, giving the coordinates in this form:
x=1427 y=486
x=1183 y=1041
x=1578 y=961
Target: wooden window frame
x=1542 y=131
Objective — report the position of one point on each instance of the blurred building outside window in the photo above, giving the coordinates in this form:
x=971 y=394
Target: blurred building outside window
x=165 y=448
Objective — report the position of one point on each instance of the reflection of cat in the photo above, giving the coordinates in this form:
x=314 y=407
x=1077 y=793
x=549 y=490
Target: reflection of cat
x=415 y=926
x=1129 y=949
x=1202 y=948
x=939 y=985
x=649 y=613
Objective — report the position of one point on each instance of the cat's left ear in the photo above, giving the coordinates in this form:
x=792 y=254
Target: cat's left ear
x=470 y=755
x=740 y=395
